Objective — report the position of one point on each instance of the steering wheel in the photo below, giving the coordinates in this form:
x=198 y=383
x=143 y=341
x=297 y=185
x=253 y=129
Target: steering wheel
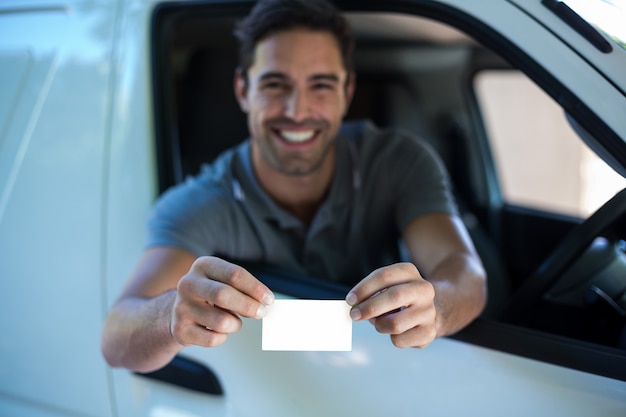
x=605 y=219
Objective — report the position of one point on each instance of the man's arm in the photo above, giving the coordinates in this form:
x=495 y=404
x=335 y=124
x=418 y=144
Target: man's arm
x=442 y=292
x=440 y=246
x=173 y=300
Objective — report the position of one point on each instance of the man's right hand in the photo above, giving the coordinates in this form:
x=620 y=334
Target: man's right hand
x=210 y=299
x=174 y=299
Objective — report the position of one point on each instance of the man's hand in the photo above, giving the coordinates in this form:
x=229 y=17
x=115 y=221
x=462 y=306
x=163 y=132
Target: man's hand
x=210 y=299
x=399 y=302
x=159 y=312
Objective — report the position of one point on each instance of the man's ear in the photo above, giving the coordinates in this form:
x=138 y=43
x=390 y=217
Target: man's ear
x=350 y=86
x=241 y=89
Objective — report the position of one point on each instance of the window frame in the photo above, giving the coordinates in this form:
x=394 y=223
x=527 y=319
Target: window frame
x=529 y=343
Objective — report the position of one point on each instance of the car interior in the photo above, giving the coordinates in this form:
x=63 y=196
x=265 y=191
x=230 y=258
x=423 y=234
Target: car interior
x=414 y=71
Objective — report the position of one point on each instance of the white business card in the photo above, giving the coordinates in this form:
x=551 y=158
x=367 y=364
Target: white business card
x=307 y=325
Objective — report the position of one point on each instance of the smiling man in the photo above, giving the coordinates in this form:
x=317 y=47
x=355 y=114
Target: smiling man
x=295 y=93
x=304 y=193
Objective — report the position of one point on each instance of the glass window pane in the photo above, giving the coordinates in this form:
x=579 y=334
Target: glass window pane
x=541 y=162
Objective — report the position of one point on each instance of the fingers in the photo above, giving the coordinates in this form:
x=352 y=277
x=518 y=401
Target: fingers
x=231 y=286
x=226 y=285
x=210 y=299
x=417 y=337
x=206 y=326
x=384 y=278
x=398 y=302
x=409 y=327
x=388 y=289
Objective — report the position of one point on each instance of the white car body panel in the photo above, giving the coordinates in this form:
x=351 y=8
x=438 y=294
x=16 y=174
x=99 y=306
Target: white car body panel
x=565 y=64
x=448 y=378
x=77 y=180
x=612 y=64
x=51 y=211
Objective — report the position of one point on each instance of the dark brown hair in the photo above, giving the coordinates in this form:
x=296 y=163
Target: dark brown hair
x=271 y=16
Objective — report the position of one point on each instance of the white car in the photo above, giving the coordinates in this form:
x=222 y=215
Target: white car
x=104 y=104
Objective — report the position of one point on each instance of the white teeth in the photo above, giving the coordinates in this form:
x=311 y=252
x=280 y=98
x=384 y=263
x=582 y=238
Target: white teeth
x=299 y=136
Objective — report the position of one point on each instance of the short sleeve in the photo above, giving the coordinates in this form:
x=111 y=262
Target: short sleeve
x=421 y=182
x=189 y=216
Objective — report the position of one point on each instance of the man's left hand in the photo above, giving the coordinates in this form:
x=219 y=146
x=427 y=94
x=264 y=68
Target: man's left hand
x=398 y=301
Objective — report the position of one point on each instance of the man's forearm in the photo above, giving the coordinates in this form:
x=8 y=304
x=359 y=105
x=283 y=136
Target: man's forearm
x=137 y=336
x=460 y=292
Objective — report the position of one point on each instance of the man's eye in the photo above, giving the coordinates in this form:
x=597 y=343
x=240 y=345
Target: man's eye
x=273 y=86
x=323 y=86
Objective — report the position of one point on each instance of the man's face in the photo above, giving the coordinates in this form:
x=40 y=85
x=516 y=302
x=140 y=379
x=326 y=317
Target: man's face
x=296 y=96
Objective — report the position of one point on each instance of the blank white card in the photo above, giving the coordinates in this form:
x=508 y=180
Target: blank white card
x=307 y=325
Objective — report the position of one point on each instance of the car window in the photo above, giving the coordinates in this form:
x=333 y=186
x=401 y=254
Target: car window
x=409 y=70
x=541 y=162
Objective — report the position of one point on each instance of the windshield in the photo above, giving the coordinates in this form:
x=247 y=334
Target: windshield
x=608 y=16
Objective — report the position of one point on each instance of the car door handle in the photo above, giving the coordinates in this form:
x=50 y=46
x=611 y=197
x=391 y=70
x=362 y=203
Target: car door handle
x=188 y=373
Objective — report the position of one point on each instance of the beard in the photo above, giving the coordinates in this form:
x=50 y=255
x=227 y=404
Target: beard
x=296 y=163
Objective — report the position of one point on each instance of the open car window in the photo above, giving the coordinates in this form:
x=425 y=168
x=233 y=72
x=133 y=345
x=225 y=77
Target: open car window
x=524 y=124
x=523 y=179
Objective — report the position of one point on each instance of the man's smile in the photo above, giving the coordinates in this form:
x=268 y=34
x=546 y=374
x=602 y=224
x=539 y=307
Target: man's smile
x=297 y=136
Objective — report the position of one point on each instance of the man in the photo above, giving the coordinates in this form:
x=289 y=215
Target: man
x=302 y=195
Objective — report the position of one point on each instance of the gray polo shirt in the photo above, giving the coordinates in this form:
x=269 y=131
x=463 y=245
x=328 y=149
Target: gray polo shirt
x=383 y=180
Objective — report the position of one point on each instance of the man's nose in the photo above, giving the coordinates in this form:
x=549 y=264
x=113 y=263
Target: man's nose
x=297 y=106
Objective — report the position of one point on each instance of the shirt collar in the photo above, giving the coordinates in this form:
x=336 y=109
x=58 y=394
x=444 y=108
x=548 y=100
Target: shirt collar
x=248 y=191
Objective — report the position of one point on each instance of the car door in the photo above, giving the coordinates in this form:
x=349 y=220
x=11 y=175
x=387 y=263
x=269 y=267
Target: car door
x=491 y=368
x=54 y=79
x=531 y=224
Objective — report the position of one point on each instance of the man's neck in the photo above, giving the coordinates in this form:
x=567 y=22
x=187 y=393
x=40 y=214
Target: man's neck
x=300 y=195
